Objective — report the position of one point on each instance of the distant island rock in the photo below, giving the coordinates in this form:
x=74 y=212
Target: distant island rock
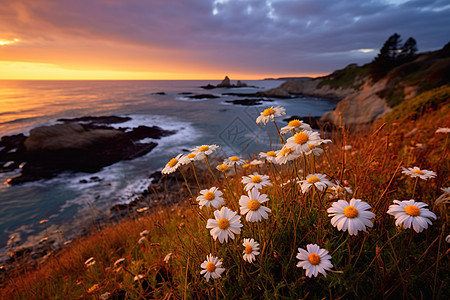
x=226 y=83
x=84 y=144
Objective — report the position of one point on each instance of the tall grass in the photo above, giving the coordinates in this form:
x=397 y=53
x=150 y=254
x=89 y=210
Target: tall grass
x=383 y=262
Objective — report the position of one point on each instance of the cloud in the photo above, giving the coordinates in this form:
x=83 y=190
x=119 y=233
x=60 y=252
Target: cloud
x=240 y=36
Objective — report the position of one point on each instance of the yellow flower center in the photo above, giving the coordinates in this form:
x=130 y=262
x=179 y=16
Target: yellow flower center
x=256 y=179
x=248 y=249
x=350 y=212
x=254 y=205
x=418 y=172
x=271 y=153
x=210 y=267
x=191 y=155
x=172 y=162
x=210 y=196
x=301 y=138
x=203 y=148
x=268 y=112
x=222 y=167
x=314 y=259
x=224 y=223
x=286 y=151
x=295 y=123
x=311 y=146
x=234 y=158
x=412 y=210
x=246 y=166
x=313 y=179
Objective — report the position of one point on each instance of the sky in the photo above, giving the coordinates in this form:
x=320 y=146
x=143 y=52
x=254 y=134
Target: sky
x=206 y=39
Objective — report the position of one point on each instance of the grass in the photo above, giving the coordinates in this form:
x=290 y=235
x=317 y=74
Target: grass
x=350 y=77
x=384 y=262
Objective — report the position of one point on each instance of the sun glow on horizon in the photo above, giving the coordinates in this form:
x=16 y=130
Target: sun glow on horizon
x=8 y=42
x=13 y=70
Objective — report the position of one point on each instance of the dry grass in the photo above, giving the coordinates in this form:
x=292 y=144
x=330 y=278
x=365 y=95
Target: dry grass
x=384 y=262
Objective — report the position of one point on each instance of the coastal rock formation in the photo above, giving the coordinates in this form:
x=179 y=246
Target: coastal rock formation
x=71 y=146
x=226 y=83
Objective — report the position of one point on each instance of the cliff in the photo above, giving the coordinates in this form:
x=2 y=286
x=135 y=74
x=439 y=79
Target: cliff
x=362 y=100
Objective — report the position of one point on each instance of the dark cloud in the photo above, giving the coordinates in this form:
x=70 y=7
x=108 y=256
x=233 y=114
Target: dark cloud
x=241 y=36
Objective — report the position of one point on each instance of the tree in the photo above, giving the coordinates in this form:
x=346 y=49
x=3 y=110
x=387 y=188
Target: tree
x=408 y=50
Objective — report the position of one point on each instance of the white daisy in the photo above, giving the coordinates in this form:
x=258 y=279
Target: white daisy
x=318 y=180
x=256 y=162
x=212 y=267
x=268 y=156
x=295 y=126
x=417 y=172
x=286 y=154
x=251 y=250
x=226 y=224
x=205 y=149
x=317 y=151
x=269 y=114
x=193 y=156
x=300 y=141
x=233 y=160
x=255 y=181
x=338 y=189
x=410 y=212
x=119 y=262
x=172 y=165
x=90 y=262
x=252 y=208
x=222 y=167
x=211 y=197
x=314 y=260
x=351 y=217
x=144 y=233
x=443 y=130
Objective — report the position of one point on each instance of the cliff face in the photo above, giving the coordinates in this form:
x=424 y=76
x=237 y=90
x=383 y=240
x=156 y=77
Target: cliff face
x=363 y=101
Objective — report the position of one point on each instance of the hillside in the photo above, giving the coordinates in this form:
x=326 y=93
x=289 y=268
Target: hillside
x=363 y=100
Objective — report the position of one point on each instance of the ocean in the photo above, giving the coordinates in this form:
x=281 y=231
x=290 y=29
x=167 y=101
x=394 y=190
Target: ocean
x=65 y=201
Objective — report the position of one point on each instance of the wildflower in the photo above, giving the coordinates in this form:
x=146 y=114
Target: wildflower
x=144 y=233
x=447 y=239
x=410 y=212
x=269 y=156
x=295 y=126
x=314 y=260
x=338 y=189
x=119 y=262
x=193 y=156
x=317 y=151
x=172 y=165
x=351 y=217
x=226 y=224
x=252 y=208
x=443 y=130
x=205 y=149
x=246 y=166
x=167 y=258
x=211 y=197
x=286 y=154
x=300 y=141
x=233 y=160
x=251 y=250
x=105 y=296
x=255 y=181
x=347 y=147
x=222 y=167
x=141 y=240
x=139 y=210
x=212 y=267
x=269 y=114
x=256 y=162
x=90 y=262
x=417 y=172
x=138 y=277
x=318 y=180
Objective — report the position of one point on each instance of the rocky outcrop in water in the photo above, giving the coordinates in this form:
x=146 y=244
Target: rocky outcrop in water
x=226 y=83
x=83 y=145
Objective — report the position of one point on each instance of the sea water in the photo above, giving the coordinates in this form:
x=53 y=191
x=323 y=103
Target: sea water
x=65 y=201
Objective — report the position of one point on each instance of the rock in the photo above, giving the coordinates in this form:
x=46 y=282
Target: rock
x=240 y=84
x=203 y=96
x=50 y=150
x=208 y=87
x=100 y=120
x=225 y=83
